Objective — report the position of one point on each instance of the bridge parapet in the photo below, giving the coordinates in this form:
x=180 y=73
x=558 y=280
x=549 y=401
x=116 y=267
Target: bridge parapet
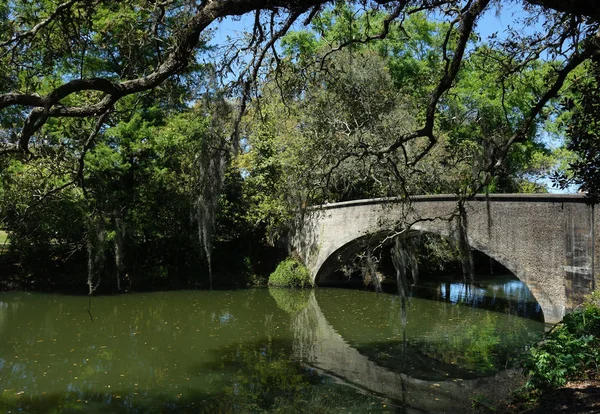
x=547 y=240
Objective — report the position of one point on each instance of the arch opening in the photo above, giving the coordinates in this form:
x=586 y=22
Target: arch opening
x=495 y=286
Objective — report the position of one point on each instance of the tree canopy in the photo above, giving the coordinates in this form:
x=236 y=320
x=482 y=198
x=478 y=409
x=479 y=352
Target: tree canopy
x=78 y=58
x=123 y=122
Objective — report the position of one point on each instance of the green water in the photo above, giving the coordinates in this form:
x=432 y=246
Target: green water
x=330 y=350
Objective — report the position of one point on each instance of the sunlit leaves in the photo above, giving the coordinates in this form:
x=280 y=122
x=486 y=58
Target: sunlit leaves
x=569 y=351
x=583 y=131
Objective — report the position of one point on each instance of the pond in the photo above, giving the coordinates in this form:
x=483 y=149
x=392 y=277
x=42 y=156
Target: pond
x=327 y=350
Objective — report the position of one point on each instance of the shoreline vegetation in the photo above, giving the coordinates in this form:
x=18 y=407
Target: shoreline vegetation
x=563 y=368
x=291 y=273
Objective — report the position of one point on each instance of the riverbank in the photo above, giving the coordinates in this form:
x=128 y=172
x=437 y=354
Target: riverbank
x=563 y=369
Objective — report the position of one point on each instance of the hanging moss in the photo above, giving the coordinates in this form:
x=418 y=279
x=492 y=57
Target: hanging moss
x=370 y=272
x=96 y=251
x=464 y=248
x=405 y=261
x=210 y=171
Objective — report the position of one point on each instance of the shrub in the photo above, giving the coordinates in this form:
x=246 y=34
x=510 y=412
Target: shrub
x=290 y=273
x=570 y=351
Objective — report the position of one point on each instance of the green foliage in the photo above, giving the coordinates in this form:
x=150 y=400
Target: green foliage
x=160 y=172
x=570 y=351
x=130 y=210
x=263 y=190
x=291 y=273
x=345 y=104
x=583 y=130
x=4 y=240
x=437 y=253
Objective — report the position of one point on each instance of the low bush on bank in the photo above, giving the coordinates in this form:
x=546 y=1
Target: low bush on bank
x=291 y=273
x=568 y=352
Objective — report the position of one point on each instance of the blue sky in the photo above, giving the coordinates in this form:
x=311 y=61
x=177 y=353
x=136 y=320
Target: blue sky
x=490 y=23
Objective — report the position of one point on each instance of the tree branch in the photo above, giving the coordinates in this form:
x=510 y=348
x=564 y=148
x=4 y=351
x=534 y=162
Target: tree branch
x=467 y=22
x=176 y=61
x=35 y=29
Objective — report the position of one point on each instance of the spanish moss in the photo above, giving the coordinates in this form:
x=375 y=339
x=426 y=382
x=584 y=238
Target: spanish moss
x=119 y=250
x=466 y=258
x=210 y=166
x=370 y=272
x=96 y=252
x=404 y=259
x=405 y=262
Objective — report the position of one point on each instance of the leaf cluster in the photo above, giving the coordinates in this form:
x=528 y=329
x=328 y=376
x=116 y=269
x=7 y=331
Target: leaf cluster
x=570 y=351
x=583 y=130
x=291 y=273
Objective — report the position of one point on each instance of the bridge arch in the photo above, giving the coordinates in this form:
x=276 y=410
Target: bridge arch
x=547 y=241
x=331 y=265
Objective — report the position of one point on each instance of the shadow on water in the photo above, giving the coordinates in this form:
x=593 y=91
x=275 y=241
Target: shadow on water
x=256 y=377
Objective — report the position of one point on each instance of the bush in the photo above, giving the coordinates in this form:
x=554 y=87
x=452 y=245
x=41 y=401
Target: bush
x=570 y=351
x=291 y=273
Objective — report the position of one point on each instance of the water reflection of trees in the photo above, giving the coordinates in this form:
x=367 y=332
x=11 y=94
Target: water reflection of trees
x=501 y=293
x=144 y=340
x=459 y=340
x=175 y=352
x=256 y=377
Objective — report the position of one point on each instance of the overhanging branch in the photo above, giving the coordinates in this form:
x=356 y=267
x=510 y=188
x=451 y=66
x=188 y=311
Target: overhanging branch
x=178 y=59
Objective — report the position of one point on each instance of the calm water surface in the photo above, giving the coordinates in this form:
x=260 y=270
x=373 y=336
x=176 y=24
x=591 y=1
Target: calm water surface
x=328 y=350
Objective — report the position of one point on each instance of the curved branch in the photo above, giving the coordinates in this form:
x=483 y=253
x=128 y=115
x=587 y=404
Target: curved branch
x=467 y=22
x=187 y=38
x=176 y=61
x=35 y=29
x=257 y=63
x=578 y=7
x=61 y=92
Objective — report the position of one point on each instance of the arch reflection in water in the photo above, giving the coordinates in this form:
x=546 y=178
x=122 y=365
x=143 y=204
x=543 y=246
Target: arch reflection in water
x=452 y=354
x=500 y=293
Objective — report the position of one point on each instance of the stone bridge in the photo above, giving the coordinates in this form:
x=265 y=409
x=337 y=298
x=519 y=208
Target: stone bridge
x=546 y=240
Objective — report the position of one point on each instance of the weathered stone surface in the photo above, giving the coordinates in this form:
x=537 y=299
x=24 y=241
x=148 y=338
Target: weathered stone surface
x=548 y=241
